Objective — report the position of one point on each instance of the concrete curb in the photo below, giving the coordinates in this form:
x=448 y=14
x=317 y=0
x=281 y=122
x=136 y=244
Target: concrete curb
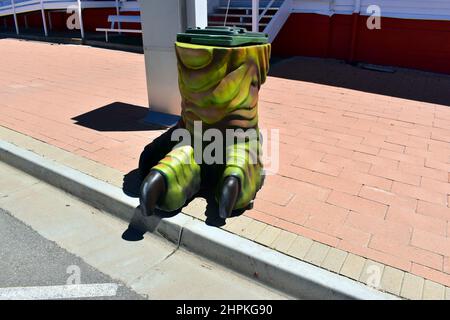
x=281 y=272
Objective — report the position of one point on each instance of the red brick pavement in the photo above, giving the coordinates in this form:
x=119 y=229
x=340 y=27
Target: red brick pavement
x=364 y=172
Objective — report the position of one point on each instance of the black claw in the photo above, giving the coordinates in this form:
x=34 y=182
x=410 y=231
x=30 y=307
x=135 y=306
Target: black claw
x=229 y=196
x=153 y=187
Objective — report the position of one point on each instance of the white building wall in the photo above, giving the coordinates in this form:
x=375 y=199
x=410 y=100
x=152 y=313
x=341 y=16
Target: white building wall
x=406 y=9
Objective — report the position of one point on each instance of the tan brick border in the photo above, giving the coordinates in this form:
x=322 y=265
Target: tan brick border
x=392 y=280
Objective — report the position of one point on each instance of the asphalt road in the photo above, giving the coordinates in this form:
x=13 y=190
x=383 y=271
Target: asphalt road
x=48 y=238
x=29 y=260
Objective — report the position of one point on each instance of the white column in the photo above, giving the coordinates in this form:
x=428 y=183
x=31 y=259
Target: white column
x=44 y=21
x=161 y=21
x=255 y=15
x=80 y=16
x=197 y=13
x=15 y=16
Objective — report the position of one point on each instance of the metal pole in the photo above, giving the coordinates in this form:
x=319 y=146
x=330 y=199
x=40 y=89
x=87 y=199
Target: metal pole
x=80 y=14
x=50 y=24
x=255 y=15
x=44 y=22
x=226 y=14
x=15 y=16
x=118 y=14
x=354 y=35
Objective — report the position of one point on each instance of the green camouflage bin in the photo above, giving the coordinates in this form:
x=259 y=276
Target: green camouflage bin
x=221 y=71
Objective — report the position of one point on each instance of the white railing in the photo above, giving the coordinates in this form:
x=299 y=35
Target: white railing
x=269 y=5
x=254 y=8
x=31 y=5
x=14 y=7
x=256 y=17
x=278 y=21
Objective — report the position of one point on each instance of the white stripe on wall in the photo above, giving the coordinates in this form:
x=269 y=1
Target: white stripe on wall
x=405 y=9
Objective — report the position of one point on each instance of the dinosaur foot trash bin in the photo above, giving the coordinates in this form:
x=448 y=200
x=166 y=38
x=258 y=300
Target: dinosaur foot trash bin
x=221 y=70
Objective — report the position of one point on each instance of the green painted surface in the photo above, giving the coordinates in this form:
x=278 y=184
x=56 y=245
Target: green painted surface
x=244 y=163
x=219 y=86
x=182 y=175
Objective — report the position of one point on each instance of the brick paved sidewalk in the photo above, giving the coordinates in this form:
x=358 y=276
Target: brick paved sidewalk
x=364 y=174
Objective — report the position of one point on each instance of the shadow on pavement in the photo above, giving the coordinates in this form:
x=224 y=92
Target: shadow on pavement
x=132 y=183
x=401 y=83
x=139 y=224
x=116 y=116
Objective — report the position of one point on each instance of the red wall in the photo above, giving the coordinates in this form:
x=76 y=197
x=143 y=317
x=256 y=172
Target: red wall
x=96 y=18
x=92 y=19
x=9 y=22
x=419 y=44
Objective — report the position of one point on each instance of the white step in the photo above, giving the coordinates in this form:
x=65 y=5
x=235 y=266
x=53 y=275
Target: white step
x=231 y=24
x=237 y=15
x=246 y=8
x=125 y=19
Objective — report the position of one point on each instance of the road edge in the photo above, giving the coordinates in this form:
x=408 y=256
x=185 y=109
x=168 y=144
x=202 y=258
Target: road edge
x=277 y=270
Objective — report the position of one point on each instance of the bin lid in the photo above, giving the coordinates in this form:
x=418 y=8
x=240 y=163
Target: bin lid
x=222 y=37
